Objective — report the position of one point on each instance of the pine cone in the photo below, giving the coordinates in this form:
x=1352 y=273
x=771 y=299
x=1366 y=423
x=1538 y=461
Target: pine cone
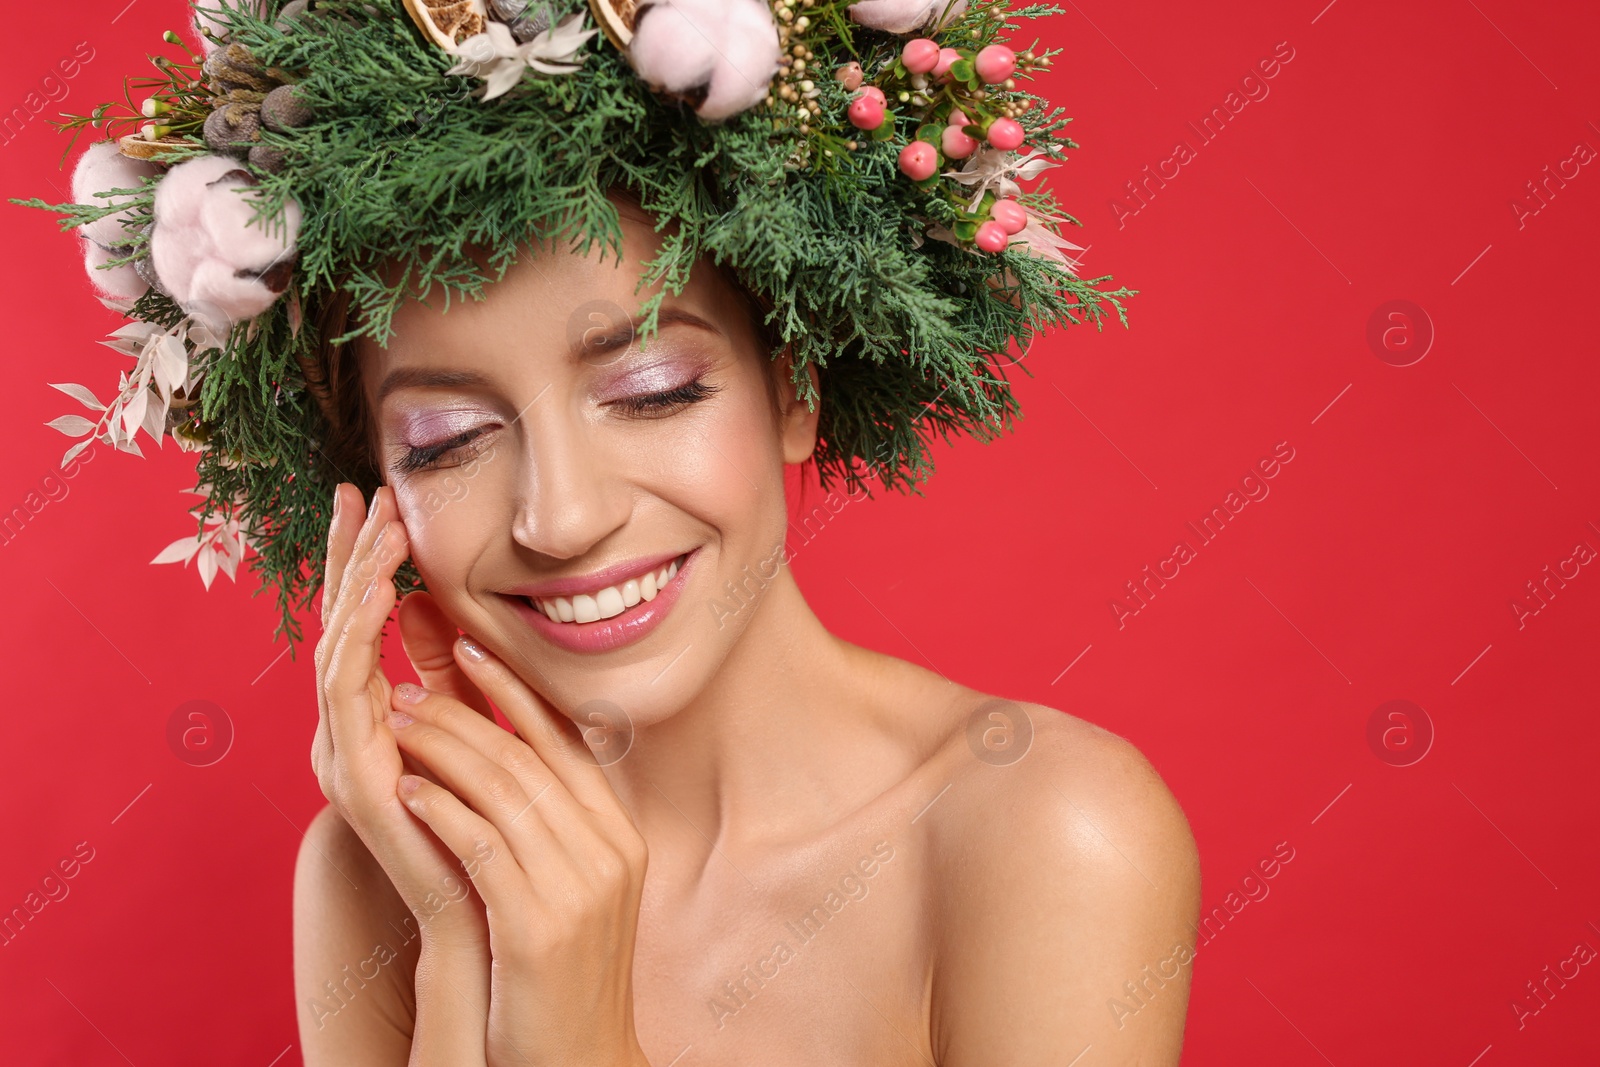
x=282 y=109
x=232 y=129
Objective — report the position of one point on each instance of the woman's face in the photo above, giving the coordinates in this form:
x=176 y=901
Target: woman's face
x=547 y=465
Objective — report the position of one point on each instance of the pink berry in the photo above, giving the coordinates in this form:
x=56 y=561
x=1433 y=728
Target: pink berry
x=920 y=55
x=958 y=117
x=876 y=94
x=918 y=160
x=995 y=63
x=849 y=75
x=947 y=56
x=1009 y=214
x=957 y=145
x=1005 y=134
x=992 y=237
x=866 y=113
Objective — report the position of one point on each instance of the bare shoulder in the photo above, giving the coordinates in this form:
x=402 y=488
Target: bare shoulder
x=355 y=951
x=1040 y=775
x=1059 y=853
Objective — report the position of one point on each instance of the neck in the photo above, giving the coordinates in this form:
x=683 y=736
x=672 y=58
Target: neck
x=779 y=720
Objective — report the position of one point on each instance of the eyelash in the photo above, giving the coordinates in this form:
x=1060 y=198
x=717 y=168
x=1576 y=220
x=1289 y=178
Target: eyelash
x=684 y=395
x=427 y=457
x=654 y=405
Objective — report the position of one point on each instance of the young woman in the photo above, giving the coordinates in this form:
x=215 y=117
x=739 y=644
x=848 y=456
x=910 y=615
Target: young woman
x=716 y=834
x=720 y=835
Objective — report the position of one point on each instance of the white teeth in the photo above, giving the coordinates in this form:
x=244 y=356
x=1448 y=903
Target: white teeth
x=610 y=601
x=585 y=608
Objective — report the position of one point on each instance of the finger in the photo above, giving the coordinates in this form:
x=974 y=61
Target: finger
x=551 y=735
x=361 y=564
x=483 y=852
x=342 y=533
x=429 y=638
x=343 y=529
x=369 y=553
x=352 y=665
x=493 y=745
x=488 y=789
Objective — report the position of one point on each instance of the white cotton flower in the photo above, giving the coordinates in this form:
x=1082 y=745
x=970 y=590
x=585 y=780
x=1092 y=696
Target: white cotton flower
x=219 y=265
x=207 y=18
x=101 y=169
x=726 y=49
x=906 y=16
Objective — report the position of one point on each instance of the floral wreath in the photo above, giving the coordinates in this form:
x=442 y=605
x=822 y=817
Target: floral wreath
x=857 y=166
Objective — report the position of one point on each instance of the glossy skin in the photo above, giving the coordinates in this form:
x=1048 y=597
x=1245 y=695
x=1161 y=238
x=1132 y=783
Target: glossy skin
x=806 y=852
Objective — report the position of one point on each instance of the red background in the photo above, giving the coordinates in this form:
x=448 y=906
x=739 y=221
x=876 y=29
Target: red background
x=1420 y=899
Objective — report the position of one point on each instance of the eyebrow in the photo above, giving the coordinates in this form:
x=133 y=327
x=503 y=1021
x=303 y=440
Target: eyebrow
x=620 y=337
x=623 y=334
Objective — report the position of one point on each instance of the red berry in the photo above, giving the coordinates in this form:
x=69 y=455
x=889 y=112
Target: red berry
x=866 y=113
x=920 y=55
x=995 y=63
x=957 y=145
x=1005 y=134
x=992 y=237
x=947 y=56
x=918 y=160
x=1009 y=214
x=876 y=94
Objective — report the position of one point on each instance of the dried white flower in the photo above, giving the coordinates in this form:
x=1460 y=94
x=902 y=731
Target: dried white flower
x=219 y=546
x=162 y=366
x=993 y=168
x=497 y=58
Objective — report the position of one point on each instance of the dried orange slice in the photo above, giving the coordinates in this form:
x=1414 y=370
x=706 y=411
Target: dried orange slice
x=616 y=19
x=448 y=22
x=138 y=146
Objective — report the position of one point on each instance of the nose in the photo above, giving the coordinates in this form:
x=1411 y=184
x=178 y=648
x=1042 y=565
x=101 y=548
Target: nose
x=572 y=494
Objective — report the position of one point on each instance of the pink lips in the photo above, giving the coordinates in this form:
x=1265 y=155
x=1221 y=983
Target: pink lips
x=591 y=583
x=602 y=635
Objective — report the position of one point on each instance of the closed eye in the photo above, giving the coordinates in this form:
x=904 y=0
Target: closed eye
x=656 y=405
x=426 y=457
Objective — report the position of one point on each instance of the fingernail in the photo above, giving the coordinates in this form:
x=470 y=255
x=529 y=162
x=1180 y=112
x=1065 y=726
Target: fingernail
x=409 y=783
x=372 y=508
x=337 y=496
x=377 y=544
x=398 y=719
x=372 y=587
x=471 y=649
x=411 y=694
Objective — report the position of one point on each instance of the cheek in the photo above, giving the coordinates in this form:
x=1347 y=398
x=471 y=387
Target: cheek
x=448 y=516
x=727 y=456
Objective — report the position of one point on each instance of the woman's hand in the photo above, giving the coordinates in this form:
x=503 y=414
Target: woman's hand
x=359 y=765
x=553 y=853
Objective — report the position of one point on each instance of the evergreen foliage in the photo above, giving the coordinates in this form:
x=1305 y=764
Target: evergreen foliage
x=404 y=164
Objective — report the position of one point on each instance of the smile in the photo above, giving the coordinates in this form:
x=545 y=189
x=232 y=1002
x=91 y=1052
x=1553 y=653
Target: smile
x=610 y=601
x=605 y=610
